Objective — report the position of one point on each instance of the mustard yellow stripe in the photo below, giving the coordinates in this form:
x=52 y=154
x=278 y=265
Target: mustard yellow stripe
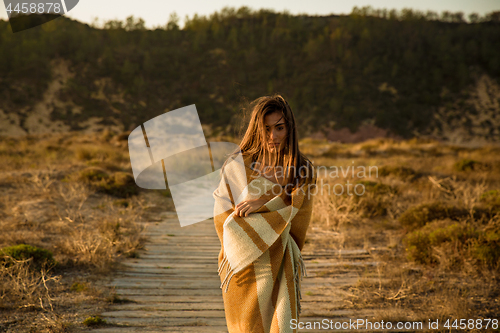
x=251 y=233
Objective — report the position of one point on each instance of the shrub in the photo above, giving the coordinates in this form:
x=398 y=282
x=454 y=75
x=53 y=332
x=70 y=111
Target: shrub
x=491 y=197
x=466 y=165
x=336 y=151
x=21 y=286
x=39 y=256
x=119 y=184
x=487 y=252
x=417 y=247
x=371 y=206
x=78 y=287
x=121 y=203
x=456 y=242
x=401 y=172
x=377 y=188
x=418 y=216
x=92 y=175
x=122 y=136
x=91 y=153
x=104 y=165
x=99 y=152
x=107 y=135
x=376 y=199
x=83 y=154
x=420 y=243
x=94 y=321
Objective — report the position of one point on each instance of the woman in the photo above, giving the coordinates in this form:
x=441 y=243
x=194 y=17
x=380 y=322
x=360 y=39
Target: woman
x=262 y=210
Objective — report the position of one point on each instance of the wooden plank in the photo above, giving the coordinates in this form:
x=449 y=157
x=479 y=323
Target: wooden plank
x=170 y=329
x=179 y=264
x=168 y=306
x=209 y=300
x=165 y=321
x=125 y=292
x=170 y=270
x=157 y=313
x=167 y=284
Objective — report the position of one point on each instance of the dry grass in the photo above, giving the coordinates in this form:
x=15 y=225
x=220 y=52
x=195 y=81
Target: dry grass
x=25 y=287
x=45 y=205
x=333 y=211
x=453 y=194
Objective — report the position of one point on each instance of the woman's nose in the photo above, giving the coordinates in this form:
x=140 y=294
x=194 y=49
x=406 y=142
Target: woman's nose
x=273 y=135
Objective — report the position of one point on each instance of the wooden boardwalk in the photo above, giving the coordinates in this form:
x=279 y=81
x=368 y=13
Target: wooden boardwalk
x=173 y=286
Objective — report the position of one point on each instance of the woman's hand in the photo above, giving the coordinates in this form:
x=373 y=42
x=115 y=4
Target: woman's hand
x=244 y=208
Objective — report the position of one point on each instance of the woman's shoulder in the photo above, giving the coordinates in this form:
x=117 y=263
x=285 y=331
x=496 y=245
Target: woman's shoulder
x=237 y=160
x=240 y=158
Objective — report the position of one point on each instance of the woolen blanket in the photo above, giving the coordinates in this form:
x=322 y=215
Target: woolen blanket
x=260 y=262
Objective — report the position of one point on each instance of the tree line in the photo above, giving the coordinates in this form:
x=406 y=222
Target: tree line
x=392 y=68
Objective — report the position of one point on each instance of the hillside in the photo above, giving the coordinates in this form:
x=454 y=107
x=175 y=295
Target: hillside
x=349 y=78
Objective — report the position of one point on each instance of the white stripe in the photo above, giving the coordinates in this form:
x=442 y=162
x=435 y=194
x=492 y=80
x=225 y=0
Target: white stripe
x=236 y=241
x=275 y=203
x=266 y=232
x=264 y=279
x=285 y=235
x=222 y=199
x=283 y=305
x=286 y=213
x=254 y=190
x=236 y=178
x=242 y=196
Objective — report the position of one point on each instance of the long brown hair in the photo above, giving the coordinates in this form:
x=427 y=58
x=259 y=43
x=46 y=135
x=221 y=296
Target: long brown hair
x=297 y=168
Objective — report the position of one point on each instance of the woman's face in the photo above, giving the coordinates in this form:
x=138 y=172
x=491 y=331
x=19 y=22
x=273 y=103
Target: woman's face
x=276 y=131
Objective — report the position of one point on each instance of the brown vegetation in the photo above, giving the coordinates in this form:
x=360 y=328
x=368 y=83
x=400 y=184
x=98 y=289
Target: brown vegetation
x=69 y=211
x=430 y=217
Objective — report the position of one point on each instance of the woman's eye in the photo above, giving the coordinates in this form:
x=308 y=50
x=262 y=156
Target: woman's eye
x=280 y=128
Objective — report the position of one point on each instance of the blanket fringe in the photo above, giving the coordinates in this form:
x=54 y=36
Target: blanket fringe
x=229 y=272
x=222 y=264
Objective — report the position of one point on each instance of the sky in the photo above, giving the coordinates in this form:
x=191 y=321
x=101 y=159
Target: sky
x=156 y=12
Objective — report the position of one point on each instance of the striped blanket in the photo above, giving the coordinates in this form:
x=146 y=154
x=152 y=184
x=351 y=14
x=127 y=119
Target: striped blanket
x=260 y=262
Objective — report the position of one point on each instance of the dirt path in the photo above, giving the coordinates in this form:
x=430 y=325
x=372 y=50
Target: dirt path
x=174 y=287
